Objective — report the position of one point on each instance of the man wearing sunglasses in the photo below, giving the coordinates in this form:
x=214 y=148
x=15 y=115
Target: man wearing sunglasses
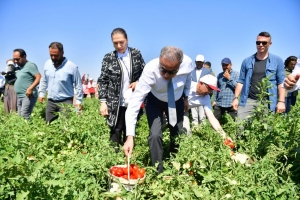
x=254 y=68
x=170 y=72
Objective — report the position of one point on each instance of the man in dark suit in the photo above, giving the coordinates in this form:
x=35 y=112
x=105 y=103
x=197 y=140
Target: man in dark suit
x=198 y=114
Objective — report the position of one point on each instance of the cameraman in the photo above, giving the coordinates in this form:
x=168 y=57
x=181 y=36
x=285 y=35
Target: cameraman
x=10 y=97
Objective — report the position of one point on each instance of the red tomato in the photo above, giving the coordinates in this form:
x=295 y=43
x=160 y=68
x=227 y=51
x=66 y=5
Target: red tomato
x=119 y=172
x=138 y=174
x=125 y=170
x=133 y=177
x=134 y=166
x=229 y=143
x=113 y=171
x=142 y=171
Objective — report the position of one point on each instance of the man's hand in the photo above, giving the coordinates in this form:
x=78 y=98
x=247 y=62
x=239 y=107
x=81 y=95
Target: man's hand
x=226 y=75
x=103 y=109
x=128 y=146
x=290 y=81
x=186 y=104
x=132 y=85
x=213 y=104
x=235 y=104
x=29 y=92
x=280 y=107
x=41 y=99
x=78 y=106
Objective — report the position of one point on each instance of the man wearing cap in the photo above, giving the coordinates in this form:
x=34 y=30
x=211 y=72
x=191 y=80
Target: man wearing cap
x=199 y=71
x=199 y=96
x=60 y=76
x=254 y=68
x=28 y=77
x=226 y=82
x=165 y=82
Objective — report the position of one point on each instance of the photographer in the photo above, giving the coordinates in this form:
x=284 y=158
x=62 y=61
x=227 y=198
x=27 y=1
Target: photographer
x=10 y=97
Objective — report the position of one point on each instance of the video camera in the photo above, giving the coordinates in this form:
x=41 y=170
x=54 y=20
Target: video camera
x=10 y=74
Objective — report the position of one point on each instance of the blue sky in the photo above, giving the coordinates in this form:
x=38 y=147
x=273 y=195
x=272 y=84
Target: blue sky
x=214 y=28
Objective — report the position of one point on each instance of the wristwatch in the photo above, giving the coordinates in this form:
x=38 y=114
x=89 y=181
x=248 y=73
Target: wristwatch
x=235 y=98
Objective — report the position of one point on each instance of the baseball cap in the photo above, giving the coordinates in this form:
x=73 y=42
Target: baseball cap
x=226 y=61
x=200 y=58
x=211 y=81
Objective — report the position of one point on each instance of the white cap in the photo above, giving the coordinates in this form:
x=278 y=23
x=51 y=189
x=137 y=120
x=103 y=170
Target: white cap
x=10 y=63
x=211 y=81
x=200 y=58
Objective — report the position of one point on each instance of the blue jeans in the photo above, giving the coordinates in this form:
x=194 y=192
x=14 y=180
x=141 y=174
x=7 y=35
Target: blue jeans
x=290 y=100
x=25 y=106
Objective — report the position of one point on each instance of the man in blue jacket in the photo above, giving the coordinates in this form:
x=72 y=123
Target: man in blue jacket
x=253 y=70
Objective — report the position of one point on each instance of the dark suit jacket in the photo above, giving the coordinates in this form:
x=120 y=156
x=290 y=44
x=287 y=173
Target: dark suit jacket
x=205 y=71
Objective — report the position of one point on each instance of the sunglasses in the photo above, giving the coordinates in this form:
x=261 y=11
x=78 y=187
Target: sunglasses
x=164 y=71
x=261 y=42
x=16 y=59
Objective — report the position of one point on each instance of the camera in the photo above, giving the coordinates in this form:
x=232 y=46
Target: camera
x=10 y=74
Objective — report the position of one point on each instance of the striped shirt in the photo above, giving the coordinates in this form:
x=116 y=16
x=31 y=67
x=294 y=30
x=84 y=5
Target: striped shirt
x=225 y=96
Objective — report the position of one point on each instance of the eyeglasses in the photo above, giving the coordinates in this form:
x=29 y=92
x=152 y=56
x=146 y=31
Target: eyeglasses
x=16 y=59
x=261 y=42
x=163 y=70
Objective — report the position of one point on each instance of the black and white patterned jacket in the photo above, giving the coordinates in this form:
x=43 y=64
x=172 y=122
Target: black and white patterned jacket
x=110 y=80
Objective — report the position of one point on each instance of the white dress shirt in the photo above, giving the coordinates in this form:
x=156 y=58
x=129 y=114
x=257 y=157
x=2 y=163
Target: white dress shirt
x=295 y=72
x=126 y=69
x=152 y=81
x=198 y=73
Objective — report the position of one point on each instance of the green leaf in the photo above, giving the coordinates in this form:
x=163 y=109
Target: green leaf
x=22 y=195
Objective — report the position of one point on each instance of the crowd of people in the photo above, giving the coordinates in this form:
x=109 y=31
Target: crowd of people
x=170 y=86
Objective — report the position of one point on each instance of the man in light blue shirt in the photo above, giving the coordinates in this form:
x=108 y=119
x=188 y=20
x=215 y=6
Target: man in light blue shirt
x=60 y=77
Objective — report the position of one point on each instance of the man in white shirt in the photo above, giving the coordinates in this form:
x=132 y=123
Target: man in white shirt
x=170 y=72
x=292 y=82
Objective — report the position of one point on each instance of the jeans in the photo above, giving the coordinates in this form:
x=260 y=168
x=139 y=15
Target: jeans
x=25 y=106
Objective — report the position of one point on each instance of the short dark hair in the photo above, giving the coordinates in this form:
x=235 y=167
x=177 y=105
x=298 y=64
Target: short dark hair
x=119 y=30
x=208 y=64
x=56 y=45
x=265 y=34
x=21 y=51
x=289 y=59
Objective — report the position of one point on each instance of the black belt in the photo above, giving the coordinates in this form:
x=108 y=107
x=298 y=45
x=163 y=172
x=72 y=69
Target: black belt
x=59 y=101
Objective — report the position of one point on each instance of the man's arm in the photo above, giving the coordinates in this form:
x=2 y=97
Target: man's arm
x=78 y=87
x=237 y=92
x=37 y=78
x=214 y=122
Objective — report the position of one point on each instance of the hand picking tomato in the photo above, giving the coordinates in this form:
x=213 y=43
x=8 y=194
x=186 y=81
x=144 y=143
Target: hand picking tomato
x=229 y=143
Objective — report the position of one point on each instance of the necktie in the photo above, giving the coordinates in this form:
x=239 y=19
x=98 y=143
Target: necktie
x=171 y=104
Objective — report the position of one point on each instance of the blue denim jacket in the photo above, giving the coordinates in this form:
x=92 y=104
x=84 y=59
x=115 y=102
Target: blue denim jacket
x=274 y=66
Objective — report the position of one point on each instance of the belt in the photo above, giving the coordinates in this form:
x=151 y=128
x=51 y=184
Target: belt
x=62 y=100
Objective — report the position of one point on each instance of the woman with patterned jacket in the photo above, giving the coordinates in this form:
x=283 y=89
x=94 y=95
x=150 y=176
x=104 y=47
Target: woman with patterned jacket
x=121 y=69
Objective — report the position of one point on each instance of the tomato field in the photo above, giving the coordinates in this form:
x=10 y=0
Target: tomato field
x=71 y=158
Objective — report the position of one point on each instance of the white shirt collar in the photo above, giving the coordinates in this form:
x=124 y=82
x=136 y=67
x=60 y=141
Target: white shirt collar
x=125 y=54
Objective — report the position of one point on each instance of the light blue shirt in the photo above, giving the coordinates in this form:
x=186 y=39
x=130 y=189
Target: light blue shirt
x=61 y=81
